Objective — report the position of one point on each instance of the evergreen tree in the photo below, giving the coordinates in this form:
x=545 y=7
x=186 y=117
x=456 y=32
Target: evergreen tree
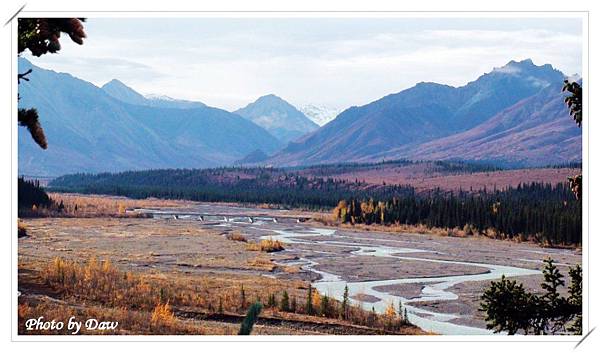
x=309 y=305
x=575 y=299
x=250 y=319
x=272 y=302
x=325 y=309
x=509 y=307
x=284 y=305
x=345 y=303
x=30 y=194
x=242 y=297
x=294 y=305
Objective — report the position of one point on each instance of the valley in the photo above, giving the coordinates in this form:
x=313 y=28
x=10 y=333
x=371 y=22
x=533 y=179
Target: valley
x=288 y=175
x=513 y=116
x=437 y=279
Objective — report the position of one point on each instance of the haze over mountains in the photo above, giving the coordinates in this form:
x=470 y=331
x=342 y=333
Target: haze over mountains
x=90 y=131
x=513 y=116
x=278 y=117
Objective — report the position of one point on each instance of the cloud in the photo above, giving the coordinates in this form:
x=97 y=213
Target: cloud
x=342 y=62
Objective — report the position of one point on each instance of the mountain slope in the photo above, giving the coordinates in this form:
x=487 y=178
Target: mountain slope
x=278 y=117
x=536 y=131
x=423 y=113
x=90 y=131
x=124 y=93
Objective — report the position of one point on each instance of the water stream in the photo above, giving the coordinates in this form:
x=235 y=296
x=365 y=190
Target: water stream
x=434 y=288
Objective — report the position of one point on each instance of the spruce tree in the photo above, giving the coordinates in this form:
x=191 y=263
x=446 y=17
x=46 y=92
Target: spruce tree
x=324 y=310
x=250 y=319
x=272 y=303
x=242 y=297
x=294 y=305
x=284 y=305
x=575 y=299
x=309 y=306
x=345 y=303
x=509 y=307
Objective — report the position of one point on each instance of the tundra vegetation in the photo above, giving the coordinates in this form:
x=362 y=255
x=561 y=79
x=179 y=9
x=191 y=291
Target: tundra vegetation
x=158 y=304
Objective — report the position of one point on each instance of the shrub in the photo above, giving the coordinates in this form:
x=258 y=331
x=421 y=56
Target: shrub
x=237 y=236
x=21 y=229
x=162 y=314
x=266 y=245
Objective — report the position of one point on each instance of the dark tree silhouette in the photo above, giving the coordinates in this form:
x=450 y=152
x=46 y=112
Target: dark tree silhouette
x=509 y=307
x=42 y=36
x=574 y=102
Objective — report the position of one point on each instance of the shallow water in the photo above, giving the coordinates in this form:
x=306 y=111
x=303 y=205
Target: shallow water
x=435 y=288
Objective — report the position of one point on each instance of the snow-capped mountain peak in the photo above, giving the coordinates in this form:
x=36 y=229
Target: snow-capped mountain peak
x=321 y=115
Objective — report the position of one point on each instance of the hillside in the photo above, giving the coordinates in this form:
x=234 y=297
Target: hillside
x=90 y=131
x=534 y=132
x=391 y=126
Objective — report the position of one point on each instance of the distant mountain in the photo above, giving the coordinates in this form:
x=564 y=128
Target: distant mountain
x=124 y=93
x=321 y=115
x=394 y=124
x=278 y=117
x=253 y=157
x=90 y=131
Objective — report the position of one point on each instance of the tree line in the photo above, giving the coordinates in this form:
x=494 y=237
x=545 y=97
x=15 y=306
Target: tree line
x=31 y=195
x=256 y=185
x=535 y=211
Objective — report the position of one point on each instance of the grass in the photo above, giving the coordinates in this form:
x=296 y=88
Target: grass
x=149 y=303
x=77 y=205
x=266 y=245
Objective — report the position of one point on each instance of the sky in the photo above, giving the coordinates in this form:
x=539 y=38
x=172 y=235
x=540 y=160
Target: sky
x=332 y=62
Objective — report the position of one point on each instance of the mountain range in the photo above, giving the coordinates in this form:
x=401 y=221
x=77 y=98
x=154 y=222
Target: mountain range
x=88 y=130
x=478 y=120
x=514 y=116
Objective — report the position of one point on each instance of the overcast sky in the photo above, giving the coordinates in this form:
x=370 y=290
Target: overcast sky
x=336 y=62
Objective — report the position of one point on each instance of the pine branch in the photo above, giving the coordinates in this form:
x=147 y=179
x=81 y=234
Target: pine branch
x=29 y=118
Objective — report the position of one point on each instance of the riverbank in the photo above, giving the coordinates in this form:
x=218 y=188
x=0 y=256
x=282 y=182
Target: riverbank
x=122 y=269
